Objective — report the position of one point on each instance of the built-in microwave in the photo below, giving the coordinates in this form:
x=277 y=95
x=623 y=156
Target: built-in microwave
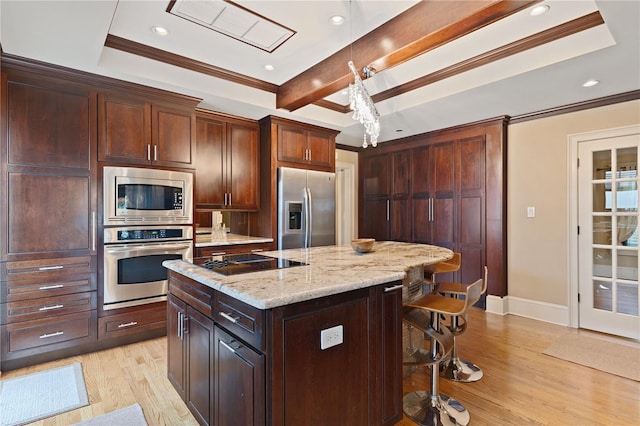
x=136 y=195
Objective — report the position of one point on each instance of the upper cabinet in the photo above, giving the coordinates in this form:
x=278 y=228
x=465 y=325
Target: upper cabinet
x=302 y=145
x=227 y=163
x=139 y=130
x=48 y=179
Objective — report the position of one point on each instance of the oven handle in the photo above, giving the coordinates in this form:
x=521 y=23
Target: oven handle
x=112 y=249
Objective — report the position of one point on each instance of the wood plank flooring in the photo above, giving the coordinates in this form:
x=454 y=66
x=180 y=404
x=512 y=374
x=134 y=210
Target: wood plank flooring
x=521 y=385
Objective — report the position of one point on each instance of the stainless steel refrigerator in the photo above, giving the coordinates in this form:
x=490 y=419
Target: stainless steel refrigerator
x=306 y=208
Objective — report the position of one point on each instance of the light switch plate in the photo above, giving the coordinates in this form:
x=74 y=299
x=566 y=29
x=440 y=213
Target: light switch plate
x=531 y=212
x=330 y=337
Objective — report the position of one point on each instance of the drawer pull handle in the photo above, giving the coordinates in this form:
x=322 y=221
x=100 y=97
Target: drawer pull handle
x=227 y=346
x=51 y=287
x=129 y=324
x=50 y=268
x=256 y=250
x=218 y=253
x=229 y=317
x=48 y=308
x=392 y=288
x=57 y=333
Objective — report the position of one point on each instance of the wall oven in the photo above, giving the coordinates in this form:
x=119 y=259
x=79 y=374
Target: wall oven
x=135 y=195
x=133 y=256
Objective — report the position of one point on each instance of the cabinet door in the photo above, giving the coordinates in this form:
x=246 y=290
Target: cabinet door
x=243 y=166
x=390 y=386
x=124 y=129
x=49 y=201
x=239 y=383
x=172 y=136
x=51 y=127
x=200 y=335
x=292 y=144
x=176 y=312
x=210 y=159
x=399 y=216
x=377 y=179
x=376 y=219
x=420 y=195
x=443 y=194
x=321 y=149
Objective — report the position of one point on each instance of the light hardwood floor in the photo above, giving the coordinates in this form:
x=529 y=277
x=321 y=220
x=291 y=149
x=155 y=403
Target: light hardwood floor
x=521 y=385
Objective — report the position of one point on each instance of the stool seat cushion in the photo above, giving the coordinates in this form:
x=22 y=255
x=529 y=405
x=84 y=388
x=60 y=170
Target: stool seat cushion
x=451 y=288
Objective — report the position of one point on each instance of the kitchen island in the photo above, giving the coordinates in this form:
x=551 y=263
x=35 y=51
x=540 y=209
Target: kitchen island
x=313 y=344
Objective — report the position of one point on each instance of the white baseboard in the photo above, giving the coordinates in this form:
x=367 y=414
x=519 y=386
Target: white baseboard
x=534 y=309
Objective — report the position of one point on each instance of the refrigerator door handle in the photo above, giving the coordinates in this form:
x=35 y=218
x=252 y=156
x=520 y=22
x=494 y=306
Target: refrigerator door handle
x=305 y=212
x=310 y=221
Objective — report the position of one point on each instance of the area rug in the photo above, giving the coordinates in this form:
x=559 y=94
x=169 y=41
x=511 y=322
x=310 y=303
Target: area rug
x=128 y=416
x=621 y=359
x=44 y=394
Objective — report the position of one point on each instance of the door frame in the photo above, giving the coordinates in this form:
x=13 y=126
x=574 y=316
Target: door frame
x=572 y=212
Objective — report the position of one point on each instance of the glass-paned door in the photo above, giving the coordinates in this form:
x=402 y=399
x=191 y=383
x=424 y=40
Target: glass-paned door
x=608 y=240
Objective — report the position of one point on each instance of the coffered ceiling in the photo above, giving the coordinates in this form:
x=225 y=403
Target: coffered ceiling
x=438 y=63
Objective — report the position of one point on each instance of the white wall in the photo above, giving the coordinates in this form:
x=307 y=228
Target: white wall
x=537 y=176
x=346 y=196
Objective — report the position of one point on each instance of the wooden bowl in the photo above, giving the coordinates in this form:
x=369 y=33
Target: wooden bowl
x=362 y=245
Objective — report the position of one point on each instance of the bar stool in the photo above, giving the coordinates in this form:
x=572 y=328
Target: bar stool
x=434 y=408
x=451 y=265
x=454 y=368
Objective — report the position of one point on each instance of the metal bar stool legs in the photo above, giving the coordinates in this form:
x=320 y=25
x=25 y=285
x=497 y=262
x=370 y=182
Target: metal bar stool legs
x=455 y=368
x=432 y=407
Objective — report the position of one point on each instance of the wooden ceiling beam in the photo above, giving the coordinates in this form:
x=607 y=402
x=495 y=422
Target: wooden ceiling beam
x=424 y=27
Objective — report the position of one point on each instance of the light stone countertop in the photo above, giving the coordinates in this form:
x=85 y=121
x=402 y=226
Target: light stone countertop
x=208 y=240
x=330 y=270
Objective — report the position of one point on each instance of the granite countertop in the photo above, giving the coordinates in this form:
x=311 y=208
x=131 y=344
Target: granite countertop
x=209 y=240
x=330 y=270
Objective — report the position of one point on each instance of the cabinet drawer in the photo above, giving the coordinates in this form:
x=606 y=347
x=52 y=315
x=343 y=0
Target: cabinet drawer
x=47 y=269
x=38 y=288
x=232 y=249
x=193 y=293
x=132 y=322
x=240 y=319
x=32 y=309
x=48 y=334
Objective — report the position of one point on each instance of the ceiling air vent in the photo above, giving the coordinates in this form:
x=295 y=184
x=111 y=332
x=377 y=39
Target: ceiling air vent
x=234 y=21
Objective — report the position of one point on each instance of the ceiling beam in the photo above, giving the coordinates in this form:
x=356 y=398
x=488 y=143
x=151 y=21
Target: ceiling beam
x=424 y=27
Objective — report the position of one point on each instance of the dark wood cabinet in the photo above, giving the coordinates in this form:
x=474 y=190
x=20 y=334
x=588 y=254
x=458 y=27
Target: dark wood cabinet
x=386 y=188
x=137 y=130
x=306 y=147
x=239 y=377
x=191 y=357
x=455 y=199
x=48 y=211
x=227 y=163
x=269 y=367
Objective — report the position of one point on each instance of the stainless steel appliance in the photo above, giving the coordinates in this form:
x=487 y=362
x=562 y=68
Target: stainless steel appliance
x=133 y=256
x=242 y=263
x=306 y=208
x=136 y=195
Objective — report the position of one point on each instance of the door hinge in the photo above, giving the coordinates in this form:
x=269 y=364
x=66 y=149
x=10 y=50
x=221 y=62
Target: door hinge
x=578 y=163
x=578 y=230
x=578 y=297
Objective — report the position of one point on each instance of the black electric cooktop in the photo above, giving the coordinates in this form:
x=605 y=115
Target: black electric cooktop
x=233 y=264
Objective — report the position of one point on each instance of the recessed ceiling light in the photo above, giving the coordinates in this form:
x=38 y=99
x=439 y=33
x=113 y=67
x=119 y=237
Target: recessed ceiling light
x=162 y=31
x=268 y=67
x=590 y=83
x=337 y=20
x=539 y=10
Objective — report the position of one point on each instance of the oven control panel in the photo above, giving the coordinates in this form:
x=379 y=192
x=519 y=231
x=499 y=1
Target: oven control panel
x=141 y=233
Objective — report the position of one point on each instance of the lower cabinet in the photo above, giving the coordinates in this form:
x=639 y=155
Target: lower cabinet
x=238 y=365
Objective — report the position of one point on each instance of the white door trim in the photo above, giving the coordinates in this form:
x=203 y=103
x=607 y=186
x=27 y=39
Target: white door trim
x=572 y=210
x=346 y=198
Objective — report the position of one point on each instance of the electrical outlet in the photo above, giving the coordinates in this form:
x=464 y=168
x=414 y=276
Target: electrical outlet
x=331 y=337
